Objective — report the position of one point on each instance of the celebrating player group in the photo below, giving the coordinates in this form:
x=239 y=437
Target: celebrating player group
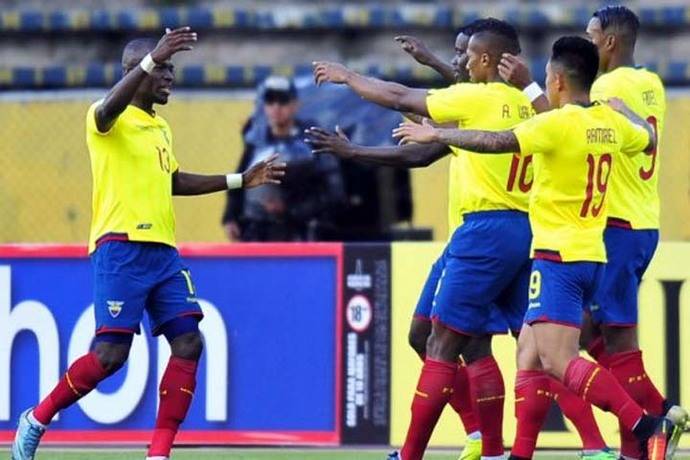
x=554 y=220
x=553 y=211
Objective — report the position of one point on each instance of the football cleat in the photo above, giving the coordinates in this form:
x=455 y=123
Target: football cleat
x=472 y=449
x=26 y=439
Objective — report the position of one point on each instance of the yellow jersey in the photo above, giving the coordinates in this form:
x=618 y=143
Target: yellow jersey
x=633 y=194
x=132 y=166
x=454 y=202
x=485 y=182
x=574 y=149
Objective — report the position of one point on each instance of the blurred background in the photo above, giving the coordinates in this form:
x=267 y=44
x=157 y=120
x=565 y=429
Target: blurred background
x=56 y=57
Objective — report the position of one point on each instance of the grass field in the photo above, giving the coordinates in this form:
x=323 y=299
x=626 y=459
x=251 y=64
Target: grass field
x=270 y=454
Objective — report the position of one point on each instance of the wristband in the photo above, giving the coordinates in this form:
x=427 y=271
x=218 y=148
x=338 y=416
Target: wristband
x=147 y=64
x=234 y=181
x=533 y=91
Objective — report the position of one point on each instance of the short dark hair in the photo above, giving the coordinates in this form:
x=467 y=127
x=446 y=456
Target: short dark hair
x=506 y=35
x=468 y=29
x=622 y=19
x=579 y=58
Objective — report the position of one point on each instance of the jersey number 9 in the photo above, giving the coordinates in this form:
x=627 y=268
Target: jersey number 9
x=647 y=174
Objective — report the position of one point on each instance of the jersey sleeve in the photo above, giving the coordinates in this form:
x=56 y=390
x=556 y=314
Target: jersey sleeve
x=634 y=138
x=451 y=103
x=91 y=120
x=537 y=135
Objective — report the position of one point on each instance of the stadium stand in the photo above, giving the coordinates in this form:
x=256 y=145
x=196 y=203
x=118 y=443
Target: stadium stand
x=356 y=32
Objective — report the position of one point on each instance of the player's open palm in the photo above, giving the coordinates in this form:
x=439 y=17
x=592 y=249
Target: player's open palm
x=268 y=171
x=323 y=141
x=514 y=70
x=415 y=48
x=332 y=72
x=173 y=42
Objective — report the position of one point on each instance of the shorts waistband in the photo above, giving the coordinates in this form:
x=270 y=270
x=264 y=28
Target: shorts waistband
x=494 y=213
x=618 y=223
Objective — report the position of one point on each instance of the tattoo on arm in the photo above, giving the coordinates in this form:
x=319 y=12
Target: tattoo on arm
x=480 y=141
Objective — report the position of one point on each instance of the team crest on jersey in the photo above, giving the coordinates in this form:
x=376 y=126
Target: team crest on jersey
x=114 y=307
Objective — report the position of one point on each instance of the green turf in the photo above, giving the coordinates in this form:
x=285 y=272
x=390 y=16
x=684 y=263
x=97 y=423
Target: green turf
x=263 y=454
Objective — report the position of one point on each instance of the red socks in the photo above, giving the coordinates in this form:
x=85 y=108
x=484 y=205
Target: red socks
x=597 y=350
x=628 y=368
x=434 y=390
x=488 y=393
x=81 y=377
x=580 y=413
x=176 y=391
x=532 y=402
x=461 y=400
x=598 y=386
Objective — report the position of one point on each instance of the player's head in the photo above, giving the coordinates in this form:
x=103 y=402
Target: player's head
x=572 y=68
x=613 y=29
x=459 y=62
x=157 y=86
x=491 y=38
x=279 y=96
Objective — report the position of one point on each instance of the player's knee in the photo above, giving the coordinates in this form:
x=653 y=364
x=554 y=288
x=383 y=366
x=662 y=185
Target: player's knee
x=444 y=344
x=477 y=348
x=187 y=346
x=620 y=339
x=112 y=356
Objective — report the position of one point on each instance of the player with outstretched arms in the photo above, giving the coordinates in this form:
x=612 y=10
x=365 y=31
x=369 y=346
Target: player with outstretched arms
x=574 y=147
x=470 y=105
x=132 y=243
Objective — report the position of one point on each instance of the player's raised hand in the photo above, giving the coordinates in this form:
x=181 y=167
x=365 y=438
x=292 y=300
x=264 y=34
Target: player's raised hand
x=323 y=141
x=332 y=72
x=172 y=42
x=268 y=171
x=514 y=70
x=408 y=132
x=415 y=48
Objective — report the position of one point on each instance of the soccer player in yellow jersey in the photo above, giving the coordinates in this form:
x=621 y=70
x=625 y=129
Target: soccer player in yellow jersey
x=574 y=147
x=482 y=264
x=632 y=232
x=132 y=243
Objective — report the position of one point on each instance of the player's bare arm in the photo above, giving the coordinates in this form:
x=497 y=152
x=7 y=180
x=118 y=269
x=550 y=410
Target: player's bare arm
x=388 y=94
x=421 y=53
x=409 y=156
x=514 y=70
x=473 y=140
x=268 y=171
x=619 y=106
x=122 y=93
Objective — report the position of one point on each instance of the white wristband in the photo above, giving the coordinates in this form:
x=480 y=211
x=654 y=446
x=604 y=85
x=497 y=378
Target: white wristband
x=234 y=181
x=533 y=91
x=147 y=64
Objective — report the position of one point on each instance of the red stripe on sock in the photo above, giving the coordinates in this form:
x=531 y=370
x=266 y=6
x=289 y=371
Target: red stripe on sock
x=488 y=393
x=433 y=392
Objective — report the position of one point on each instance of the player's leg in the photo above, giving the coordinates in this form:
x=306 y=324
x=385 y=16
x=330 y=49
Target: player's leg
x=555 y=314
x=615 y=309
x=488 y=393
x=178 y=383
x=174 y=313
x=118 y=307
x=420 y=329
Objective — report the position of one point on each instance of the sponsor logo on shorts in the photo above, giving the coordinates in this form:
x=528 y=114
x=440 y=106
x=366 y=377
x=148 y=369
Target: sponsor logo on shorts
x=115 y=307
x=534 y=305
